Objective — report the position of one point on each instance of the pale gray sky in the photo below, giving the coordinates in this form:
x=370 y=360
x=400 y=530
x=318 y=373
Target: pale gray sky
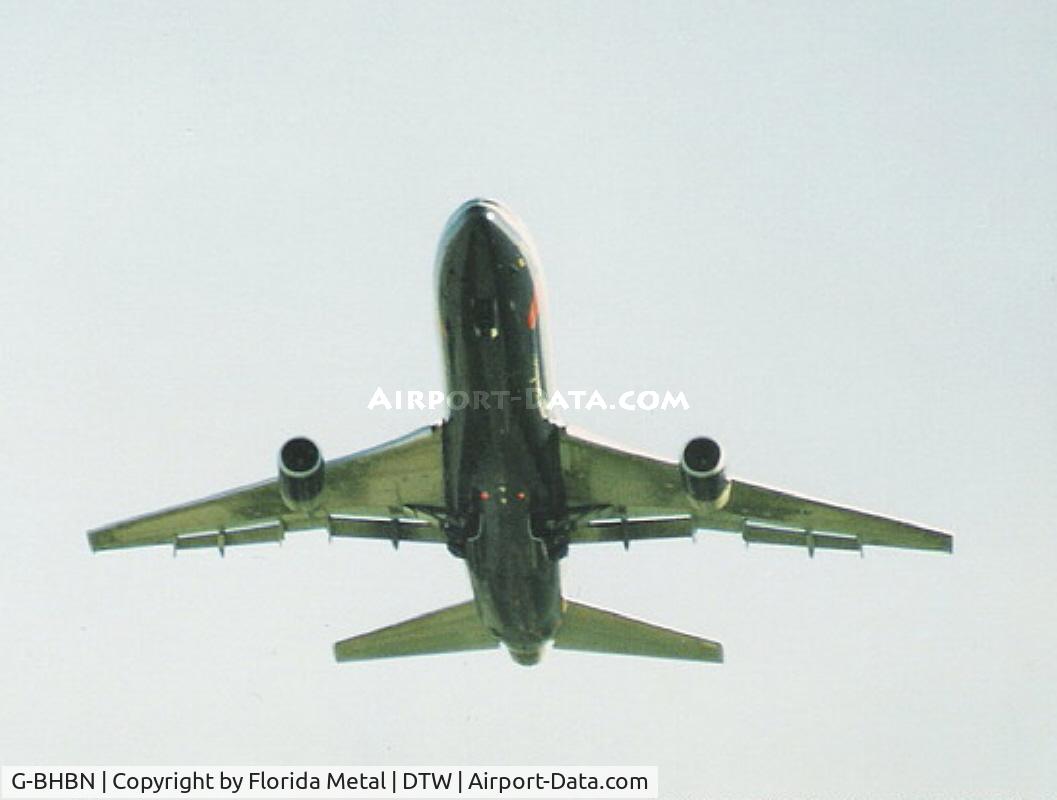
x=830 y=224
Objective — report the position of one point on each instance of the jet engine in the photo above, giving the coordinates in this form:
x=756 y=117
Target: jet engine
x=300 y=474
x=702 y=470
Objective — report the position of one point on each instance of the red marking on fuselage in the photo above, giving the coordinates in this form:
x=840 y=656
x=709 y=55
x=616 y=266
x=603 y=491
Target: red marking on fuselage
x=533 y=313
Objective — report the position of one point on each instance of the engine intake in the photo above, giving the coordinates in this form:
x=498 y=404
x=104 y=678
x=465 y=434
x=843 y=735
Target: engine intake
x=702 y=469
x=300 y=474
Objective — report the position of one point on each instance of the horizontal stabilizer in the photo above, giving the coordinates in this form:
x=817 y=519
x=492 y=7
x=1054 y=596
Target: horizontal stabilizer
x=449 y=630
x=597 y=631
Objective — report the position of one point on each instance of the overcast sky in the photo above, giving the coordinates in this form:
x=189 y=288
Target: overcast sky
x=830 y=225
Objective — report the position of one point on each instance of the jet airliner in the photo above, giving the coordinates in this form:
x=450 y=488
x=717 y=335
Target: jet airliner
x=507 y=489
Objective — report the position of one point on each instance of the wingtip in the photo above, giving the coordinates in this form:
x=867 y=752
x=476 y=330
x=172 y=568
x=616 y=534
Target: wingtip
x=341 y=657
x=93 y=540
x=945 y=542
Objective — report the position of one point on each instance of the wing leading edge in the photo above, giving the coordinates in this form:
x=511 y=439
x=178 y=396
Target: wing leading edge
x=634 y=496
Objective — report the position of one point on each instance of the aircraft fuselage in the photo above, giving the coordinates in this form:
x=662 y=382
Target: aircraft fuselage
x=501 y=461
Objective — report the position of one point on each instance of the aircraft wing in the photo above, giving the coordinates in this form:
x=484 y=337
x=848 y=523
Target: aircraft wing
x=625 y=496
x=374 y=494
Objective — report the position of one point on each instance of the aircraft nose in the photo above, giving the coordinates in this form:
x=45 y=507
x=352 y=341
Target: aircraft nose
x=477 y=213
x=481 y=237
x=480 y=228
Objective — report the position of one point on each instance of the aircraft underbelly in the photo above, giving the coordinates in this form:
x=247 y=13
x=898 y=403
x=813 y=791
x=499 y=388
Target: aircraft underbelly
x=521 y=608
x=501 y=463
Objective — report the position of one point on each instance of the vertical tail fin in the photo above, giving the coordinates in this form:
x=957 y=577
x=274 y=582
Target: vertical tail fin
x=449 y=630
x=598 y=631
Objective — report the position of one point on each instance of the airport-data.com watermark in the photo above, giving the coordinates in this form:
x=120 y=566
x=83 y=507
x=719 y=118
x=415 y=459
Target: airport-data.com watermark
x=575 y=400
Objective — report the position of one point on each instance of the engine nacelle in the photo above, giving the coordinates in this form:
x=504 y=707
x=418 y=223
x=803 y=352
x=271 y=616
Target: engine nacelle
x=300 y=474
x=702 y=470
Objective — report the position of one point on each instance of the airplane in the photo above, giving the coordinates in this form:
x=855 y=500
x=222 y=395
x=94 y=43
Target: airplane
x=506 y=488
